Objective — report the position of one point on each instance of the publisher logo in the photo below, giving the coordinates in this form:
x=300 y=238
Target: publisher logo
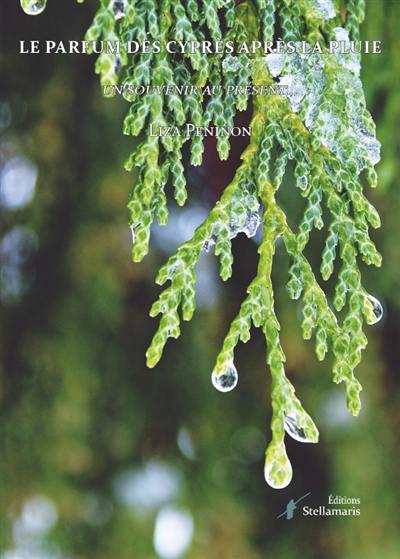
x=292 y=506
x=334 y=505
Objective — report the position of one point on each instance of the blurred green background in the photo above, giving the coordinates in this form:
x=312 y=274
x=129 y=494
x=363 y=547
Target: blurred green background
x=102 y=458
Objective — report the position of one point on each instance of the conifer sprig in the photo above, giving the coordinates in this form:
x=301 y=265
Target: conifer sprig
x=321 y=126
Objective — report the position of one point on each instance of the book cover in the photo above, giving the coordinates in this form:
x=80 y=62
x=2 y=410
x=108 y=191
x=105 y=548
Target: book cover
x=199 y=283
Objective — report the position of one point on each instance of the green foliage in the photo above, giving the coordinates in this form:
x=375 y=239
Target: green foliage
x=321 y=126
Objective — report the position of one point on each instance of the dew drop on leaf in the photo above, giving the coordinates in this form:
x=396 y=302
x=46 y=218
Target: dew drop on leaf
x=298 y=433
x=133 y=232
x=275 y=63
x=302 y=182
x=325 y=8
x=226 y=381
x=119 y=9
x=252 y=223
x=278 y=473
x=231 y=64
x=209 y=243
x=33 y=7
x=117 y=64
x=376 y=308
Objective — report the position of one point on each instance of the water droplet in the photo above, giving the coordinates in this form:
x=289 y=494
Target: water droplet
x=33 y=7
x=119 y=9
x=377 y=309
x=226 y=381
x=295 y=92
x=371 y=145
x=174 y=267
x=278 y=471
x=248 y=224
x=209 y=243
x=117 y=64
x=231 y=64
x=325 y=8
x=298 y=433
x=348 y=60
x=252 y=223
x=133 y=232
x=328 y=125
x=302 y=182
x=275 y=63
x=294 y=291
